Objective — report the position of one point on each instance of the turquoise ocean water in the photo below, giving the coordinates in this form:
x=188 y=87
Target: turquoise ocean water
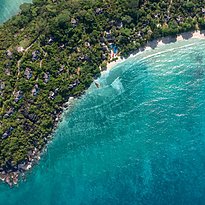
x=10 y=7
x=137 y=140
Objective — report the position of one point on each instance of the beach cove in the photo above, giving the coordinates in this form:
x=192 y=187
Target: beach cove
x=138 y=134
x=162 y=41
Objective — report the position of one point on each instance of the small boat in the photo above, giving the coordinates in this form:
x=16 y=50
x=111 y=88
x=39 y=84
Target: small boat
x=97 y=84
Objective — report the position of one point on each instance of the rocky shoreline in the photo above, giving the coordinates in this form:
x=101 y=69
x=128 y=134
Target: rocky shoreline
x=12 y=176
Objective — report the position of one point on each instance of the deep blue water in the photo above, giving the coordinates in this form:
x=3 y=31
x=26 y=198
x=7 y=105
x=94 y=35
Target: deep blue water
x=137 y=140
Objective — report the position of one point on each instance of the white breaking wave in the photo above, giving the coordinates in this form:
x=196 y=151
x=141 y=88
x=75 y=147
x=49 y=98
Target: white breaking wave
x=117 y=85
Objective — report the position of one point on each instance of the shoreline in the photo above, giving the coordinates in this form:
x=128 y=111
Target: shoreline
x=151 y=45
x=11 y=178
x=12 y=11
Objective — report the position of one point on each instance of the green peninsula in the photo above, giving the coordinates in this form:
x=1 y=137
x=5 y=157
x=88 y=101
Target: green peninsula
x=54 y=49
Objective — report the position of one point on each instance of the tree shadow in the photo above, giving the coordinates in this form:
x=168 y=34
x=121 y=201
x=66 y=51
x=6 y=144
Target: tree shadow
x=170 y=39
x=202 y=32
x=187 y=35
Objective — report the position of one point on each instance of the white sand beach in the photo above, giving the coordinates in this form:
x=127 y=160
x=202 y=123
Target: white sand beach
x=155 y=43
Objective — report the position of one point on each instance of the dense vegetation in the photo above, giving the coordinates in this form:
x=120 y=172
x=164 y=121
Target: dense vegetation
x=55 y=48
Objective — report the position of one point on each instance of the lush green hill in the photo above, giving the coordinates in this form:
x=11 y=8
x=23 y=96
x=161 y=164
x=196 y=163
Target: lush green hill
x=54 y=49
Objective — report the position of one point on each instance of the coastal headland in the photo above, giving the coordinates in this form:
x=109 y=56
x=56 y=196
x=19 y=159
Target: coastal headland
x=53 y=50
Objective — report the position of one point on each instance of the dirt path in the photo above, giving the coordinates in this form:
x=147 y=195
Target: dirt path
x=19 y=61
x=169 y=7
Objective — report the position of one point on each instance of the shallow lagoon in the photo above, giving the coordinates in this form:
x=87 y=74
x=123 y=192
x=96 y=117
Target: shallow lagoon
x=138 y=139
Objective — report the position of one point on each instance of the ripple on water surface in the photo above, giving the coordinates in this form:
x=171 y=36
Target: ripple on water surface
x=138 y=139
